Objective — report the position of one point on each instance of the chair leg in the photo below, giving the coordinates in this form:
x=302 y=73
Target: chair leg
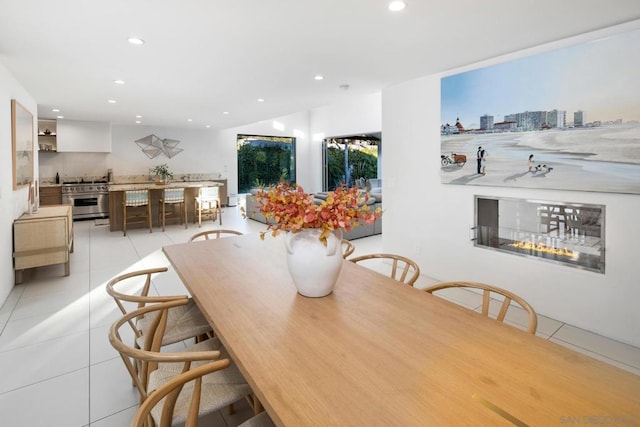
x=124 y=219
x=195 y=210
x=255 y=403
x=149 y=216
x=163 y=214
x=219 y=213
x=184 y=207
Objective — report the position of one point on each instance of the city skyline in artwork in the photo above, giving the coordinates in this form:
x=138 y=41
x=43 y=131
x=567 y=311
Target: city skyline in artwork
x=599 y=77
x=564 y=119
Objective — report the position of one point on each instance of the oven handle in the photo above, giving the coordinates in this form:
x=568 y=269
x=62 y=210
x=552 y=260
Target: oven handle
x=94 y=194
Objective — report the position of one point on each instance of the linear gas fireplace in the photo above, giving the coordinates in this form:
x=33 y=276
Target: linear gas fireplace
x=571 y=234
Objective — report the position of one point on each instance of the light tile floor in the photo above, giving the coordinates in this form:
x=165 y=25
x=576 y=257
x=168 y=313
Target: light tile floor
x=57 y=367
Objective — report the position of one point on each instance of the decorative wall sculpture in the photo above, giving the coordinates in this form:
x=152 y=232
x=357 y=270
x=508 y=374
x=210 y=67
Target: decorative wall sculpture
x=152 y=146
x=565 y=119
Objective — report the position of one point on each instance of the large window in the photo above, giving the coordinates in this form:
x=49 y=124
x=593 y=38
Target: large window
x=349 y=158
x=264 y=160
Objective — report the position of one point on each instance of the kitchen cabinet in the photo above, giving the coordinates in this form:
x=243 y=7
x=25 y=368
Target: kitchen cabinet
x=47 y=135
x=83 y=136
x=43 y=238
x=51 y=195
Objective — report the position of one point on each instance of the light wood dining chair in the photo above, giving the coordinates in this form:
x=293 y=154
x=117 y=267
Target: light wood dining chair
x=173 y=198
x=132 y=202
x=260 y=420
x=214 y=234
x=403 y=269
x=151 y=369
x=186 y=398
x=185 y=320
x=347 y=248
x=487 y=291
x=207 y=202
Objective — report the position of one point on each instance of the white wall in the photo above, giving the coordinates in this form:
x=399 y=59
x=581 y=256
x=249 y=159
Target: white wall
x=430 y=222
x=201 y=155
x=355 y=116
x=12 y=203
x=294 y=123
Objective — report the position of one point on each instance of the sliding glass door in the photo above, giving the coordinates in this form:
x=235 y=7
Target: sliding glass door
x=264 y=160
x=350 y=158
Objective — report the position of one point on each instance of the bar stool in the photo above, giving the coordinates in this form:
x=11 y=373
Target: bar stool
x=207 y=201
x=136 y=199
x=173 y=197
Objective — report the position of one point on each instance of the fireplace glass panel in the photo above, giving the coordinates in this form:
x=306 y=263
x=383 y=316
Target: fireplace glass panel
x=568 y=233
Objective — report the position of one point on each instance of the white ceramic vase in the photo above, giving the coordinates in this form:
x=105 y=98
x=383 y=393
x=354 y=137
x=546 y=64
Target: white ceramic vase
x=314 y=267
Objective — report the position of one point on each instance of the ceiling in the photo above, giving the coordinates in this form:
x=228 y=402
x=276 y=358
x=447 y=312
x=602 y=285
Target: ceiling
x=204 y=57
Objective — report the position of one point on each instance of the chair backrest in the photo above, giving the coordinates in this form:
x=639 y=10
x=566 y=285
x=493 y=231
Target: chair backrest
x=487 y=291
x=141 y=362
x=135 y=279
x=173 y=195
x=209 y=193
x=347 y=248
x=214 y=234
x=136 y=197
x=168 y=393
x=402 y=269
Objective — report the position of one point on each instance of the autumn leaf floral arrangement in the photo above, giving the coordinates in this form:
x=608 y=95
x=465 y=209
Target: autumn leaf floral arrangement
x=288 y=208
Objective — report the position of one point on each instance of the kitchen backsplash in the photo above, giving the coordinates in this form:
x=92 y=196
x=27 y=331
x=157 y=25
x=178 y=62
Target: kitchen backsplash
x=131 y=179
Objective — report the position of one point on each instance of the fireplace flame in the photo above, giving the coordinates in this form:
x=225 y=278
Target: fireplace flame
x=541 y=247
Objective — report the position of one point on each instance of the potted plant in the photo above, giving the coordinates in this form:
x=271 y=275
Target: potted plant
x=314 y=231
x=163 y=172
x=291 y=209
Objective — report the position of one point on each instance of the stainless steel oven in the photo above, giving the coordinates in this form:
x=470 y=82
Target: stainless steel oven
x=88 y=200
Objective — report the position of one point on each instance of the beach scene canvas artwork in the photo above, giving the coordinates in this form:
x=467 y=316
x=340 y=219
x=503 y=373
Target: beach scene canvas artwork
x=567 y=119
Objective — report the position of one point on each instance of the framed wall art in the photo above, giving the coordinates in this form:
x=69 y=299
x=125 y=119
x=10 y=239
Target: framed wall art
x=22 y=143
x=565 y=119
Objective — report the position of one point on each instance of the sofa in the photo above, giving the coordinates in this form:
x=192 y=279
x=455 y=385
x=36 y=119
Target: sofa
x=363 y=230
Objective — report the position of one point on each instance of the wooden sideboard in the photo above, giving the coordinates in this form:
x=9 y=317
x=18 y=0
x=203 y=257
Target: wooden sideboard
x=116 y=193
x=43 y=238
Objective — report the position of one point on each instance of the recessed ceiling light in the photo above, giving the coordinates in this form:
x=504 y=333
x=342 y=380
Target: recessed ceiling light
x=60 y=117
x=225 y=112
x=138 y=116
x=56 y=110
x=318 y=77
x=208 y=126
x=119 y=82
x=189 y=120
x=260 y=100
x=112 y=101
x=135 y=40
x=397 y=6
x=138 y=121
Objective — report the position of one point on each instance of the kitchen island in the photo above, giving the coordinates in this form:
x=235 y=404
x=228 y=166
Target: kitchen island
x=191 y=189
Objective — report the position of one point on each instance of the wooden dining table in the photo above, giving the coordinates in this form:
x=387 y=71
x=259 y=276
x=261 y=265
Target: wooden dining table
x=379 y=353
